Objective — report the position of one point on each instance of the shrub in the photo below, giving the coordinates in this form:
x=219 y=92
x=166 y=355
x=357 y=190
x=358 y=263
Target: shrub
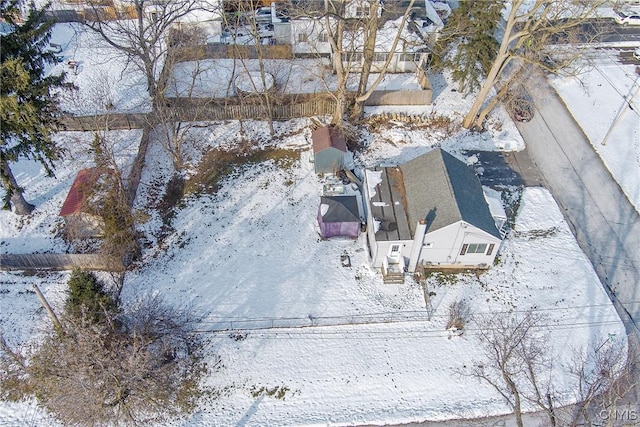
x=459 y=314
x=141 y=366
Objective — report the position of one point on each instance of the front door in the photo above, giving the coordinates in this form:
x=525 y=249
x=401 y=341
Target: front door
x=394 y=252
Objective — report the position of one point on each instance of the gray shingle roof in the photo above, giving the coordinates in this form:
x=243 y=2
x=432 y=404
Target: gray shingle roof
x=444 y=190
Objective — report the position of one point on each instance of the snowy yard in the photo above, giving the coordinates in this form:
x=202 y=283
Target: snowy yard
x=250 y=256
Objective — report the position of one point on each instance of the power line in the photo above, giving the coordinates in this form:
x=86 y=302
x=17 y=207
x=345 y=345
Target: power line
x=323 y=331
x=211 y=319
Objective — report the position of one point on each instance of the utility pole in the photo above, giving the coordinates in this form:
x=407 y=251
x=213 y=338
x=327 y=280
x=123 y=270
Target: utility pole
x=628 y=103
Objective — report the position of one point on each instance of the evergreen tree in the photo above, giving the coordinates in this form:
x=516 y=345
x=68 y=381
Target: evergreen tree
x=467 y=44
x=87 y=297
x=28 y=106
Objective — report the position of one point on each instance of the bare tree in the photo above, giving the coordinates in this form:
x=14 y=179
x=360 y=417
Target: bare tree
x=182 y=106
x=139 y=30
x=527 y=36
x=516 y=363
x=605 y=377
x=139 y=366
x=247 y=33
x=371 y=41
x=353 y=32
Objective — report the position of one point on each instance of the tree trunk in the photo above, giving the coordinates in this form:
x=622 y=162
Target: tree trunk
x=491 y=105
x=503 y=57
x=517 y=404
x=14 y=192
x=484 y=91
x=368 y=52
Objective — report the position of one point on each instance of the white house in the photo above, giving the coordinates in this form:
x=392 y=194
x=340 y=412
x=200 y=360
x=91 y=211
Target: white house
x=308 y=36
x=428 y=212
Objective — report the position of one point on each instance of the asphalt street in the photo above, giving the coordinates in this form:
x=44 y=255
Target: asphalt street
x=605 y=223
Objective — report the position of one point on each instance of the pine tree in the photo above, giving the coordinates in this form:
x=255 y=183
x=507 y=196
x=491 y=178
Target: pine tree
x=28 y=106
x=88 y=298
x=467 y=44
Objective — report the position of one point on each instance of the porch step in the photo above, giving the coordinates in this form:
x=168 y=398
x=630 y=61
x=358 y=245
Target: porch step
x=393 y=278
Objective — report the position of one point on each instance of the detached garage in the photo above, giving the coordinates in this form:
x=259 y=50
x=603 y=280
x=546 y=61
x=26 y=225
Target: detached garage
x=339 y=216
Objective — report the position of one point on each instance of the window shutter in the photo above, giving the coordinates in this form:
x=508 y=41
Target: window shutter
x=464 y=249
x=490 y=251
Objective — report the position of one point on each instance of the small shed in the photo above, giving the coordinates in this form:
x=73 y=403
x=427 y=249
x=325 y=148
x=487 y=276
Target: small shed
x=338 y=216
x=329 y=149
x=81 y=218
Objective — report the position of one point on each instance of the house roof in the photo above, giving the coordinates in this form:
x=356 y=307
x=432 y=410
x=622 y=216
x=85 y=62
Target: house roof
x=388 y=205
x=443 y=190
x=328 y=137
x=340 y=209
x=80 y=191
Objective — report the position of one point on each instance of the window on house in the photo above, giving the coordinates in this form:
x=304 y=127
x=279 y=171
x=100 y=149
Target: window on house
x=323 y=38
x=303 y=37
x=410 y=57
x=490 y=251
x=477 y=248
x=352 y=57
x=362 y=11
x=380 y=56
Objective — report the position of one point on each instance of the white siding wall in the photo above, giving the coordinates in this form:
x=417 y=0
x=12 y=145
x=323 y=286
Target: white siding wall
x=443 y=247
x=307 y=36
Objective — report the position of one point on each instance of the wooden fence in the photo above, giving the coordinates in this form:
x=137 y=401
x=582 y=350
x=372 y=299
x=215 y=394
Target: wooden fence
x=106 y=121
x=222 y=51
x=237 y=109
x=95 y=262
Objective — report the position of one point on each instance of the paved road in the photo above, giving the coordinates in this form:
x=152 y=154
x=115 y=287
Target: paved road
x=604 y=222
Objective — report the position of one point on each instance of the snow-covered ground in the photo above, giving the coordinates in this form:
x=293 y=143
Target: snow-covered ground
x=250 y=256
x=605 y=100
x=105 y=80
x=41 y=231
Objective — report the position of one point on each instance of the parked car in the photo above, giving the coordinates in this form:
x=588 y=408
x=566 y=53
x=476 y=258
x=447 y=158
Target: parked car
x=636 y=54
x=625 y=18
